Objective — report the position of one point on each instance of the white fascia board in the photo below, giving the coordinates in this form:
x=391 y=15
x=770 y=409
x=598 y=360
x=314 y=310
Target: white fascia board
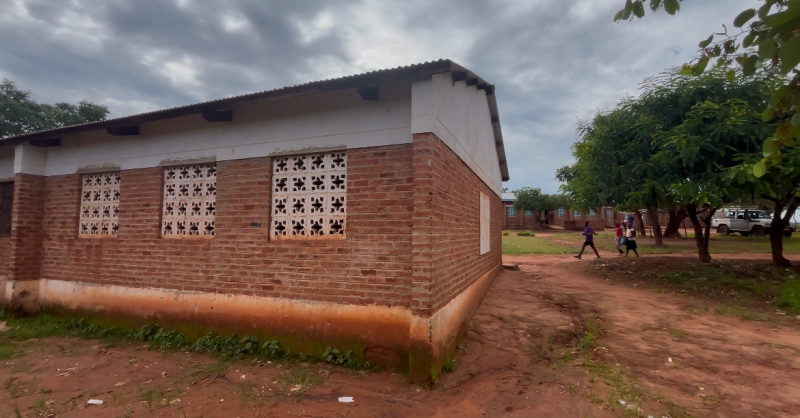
x=335 y=119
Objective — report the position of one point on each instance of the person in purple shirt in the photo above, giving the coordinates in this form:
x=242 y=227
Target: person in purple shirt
x=588 y=234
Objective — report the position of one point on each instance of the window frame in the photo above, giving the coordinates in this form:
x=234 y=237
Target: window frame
x=528 y=214
x=561 y=212
x=80 y=204
x=576 y=214
x=164 y=201
x=592 y=214
x=322 y=196
x=511 y=212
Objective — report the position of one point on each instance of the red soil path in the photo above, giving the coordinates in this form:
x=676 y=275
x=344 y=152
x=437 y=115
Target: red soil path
x=722 y=366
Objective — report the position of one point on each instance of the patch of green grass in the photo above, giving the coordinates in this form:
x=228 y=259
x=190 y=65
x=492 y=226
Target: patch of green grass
x=40 y=405
x=726 y=280
x=737 y=244
x=449 y=365
x=298 y=380
x=593 y=331
x=696 y=310
x=515 y=245
x=8 y=351
x=150 y=395
x=740 y=312
x=677 y=333
x=789 y=297
x=605 y=241
x=216 y=368
x=226 y=348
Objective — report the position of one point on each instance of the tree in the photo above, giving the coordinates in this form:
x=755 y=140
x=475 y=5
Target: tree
x=611 y=166
x=539 y=203
x=673 y=147
x=767 y=37
x=19 y=114
x=780 y=187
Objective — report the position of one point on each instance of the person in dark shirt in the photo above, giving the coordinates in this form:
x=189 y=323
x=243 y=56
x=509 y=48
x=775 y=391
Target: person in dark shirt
x=588 y=234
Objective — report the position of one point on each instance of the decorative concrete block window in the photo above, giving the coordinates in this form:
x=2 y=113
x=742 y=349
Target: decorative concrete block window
x=190 y=201
x=485 y=223
x=512 y=212
x=99 y=217
x=576 y=214
x=6 y=199
x=592 y=213
x=561 y=213
x=309 y=196
x=528 y=214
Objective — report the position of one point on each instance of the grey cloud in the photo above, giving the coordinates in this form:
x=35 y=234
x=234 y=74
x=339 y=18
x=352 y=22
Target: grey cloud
x=553 y=61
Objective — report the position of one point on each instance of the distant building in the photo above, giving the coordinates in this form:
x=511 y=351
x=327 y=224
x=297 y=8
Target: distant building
x=570 y=219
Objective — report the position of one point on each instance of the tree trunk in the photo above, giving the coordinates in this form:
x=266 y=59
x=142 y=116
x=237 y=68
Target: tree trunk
x=652 y=213
x=673 y=225
x=638 y=214
x=776 y=233
x=699 y=236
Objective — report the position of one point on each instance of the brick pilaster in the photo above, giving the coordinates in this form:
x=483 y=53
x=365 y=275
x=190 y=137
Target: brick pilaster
x=420 y=339
x=25 y=249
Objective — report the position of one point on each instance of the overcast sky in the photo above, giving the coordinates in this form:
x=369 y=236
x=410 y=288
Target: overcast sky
x=553 y=61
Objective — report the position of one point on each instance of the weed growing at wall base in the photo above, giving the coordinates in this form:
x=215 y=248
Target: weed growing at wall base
x=229 y=347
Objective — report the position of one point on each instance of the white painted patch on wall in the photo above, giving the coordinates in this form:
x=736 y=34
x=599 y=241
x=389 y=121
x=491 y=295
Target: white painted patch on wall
x=30 y=160
x=7 y=163
x=459 y=115
x=486 y=222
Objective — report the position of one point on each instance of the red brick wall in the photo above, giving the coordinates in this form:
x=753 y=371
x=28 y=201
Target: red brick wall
x=519 y=221
x=447 y=224
x=25 y=245
x=372 y=266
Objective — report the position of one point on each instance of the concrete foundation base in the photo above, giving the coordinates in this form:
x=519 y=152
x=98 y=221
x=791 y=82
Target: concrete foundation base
x=387 y=336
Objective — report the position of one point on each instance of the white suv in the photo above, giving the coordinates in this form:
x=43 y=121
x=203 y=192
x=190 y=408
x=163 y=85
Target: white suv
x=745 y=222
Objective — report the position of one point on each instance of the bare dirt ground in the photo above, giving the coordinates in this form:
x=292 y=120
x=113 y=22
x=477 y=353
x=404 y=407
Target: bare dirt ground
x=524 y=355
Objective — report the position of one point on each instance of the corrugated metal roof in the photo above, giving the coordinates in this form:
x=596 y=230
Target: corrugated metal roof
x=508 y=197
x=353 y=81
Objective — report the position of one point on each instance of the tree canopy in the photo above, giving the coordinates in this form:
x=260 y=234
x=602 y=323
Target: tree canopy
x=20 y=114
x=534 y=200
x=764 y=37
x=674 y=146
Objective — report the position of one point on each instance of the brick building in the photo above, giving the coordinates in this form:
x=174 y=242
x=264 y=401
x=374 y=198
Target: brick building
x=513 y=219
x=573 y=219
x=570 y=219
x=361 y=213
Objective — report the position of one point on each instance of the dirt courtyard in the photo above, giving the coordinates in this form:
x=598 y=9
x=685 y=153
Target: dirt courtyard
x=549 y=340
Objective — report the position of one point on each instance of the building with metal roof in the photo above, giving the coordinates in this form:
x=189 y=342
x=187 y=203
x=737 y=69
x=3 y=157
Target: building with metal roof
x=363 y=213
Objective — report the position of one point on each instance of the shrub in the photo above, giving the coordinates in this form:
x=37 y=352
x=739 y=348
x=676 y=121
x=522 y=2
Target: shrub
x=525 y=234
x=505 y=233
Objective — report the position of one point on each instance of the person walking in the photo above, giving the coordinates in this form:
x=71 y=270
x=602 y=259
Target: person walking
x=588 y=234
x=618 y=238
x=630 y=239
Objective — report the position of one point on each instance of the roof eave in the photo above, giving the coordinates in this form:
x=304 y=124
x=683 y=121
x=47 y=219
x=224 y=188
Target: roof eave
x=343 y=83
